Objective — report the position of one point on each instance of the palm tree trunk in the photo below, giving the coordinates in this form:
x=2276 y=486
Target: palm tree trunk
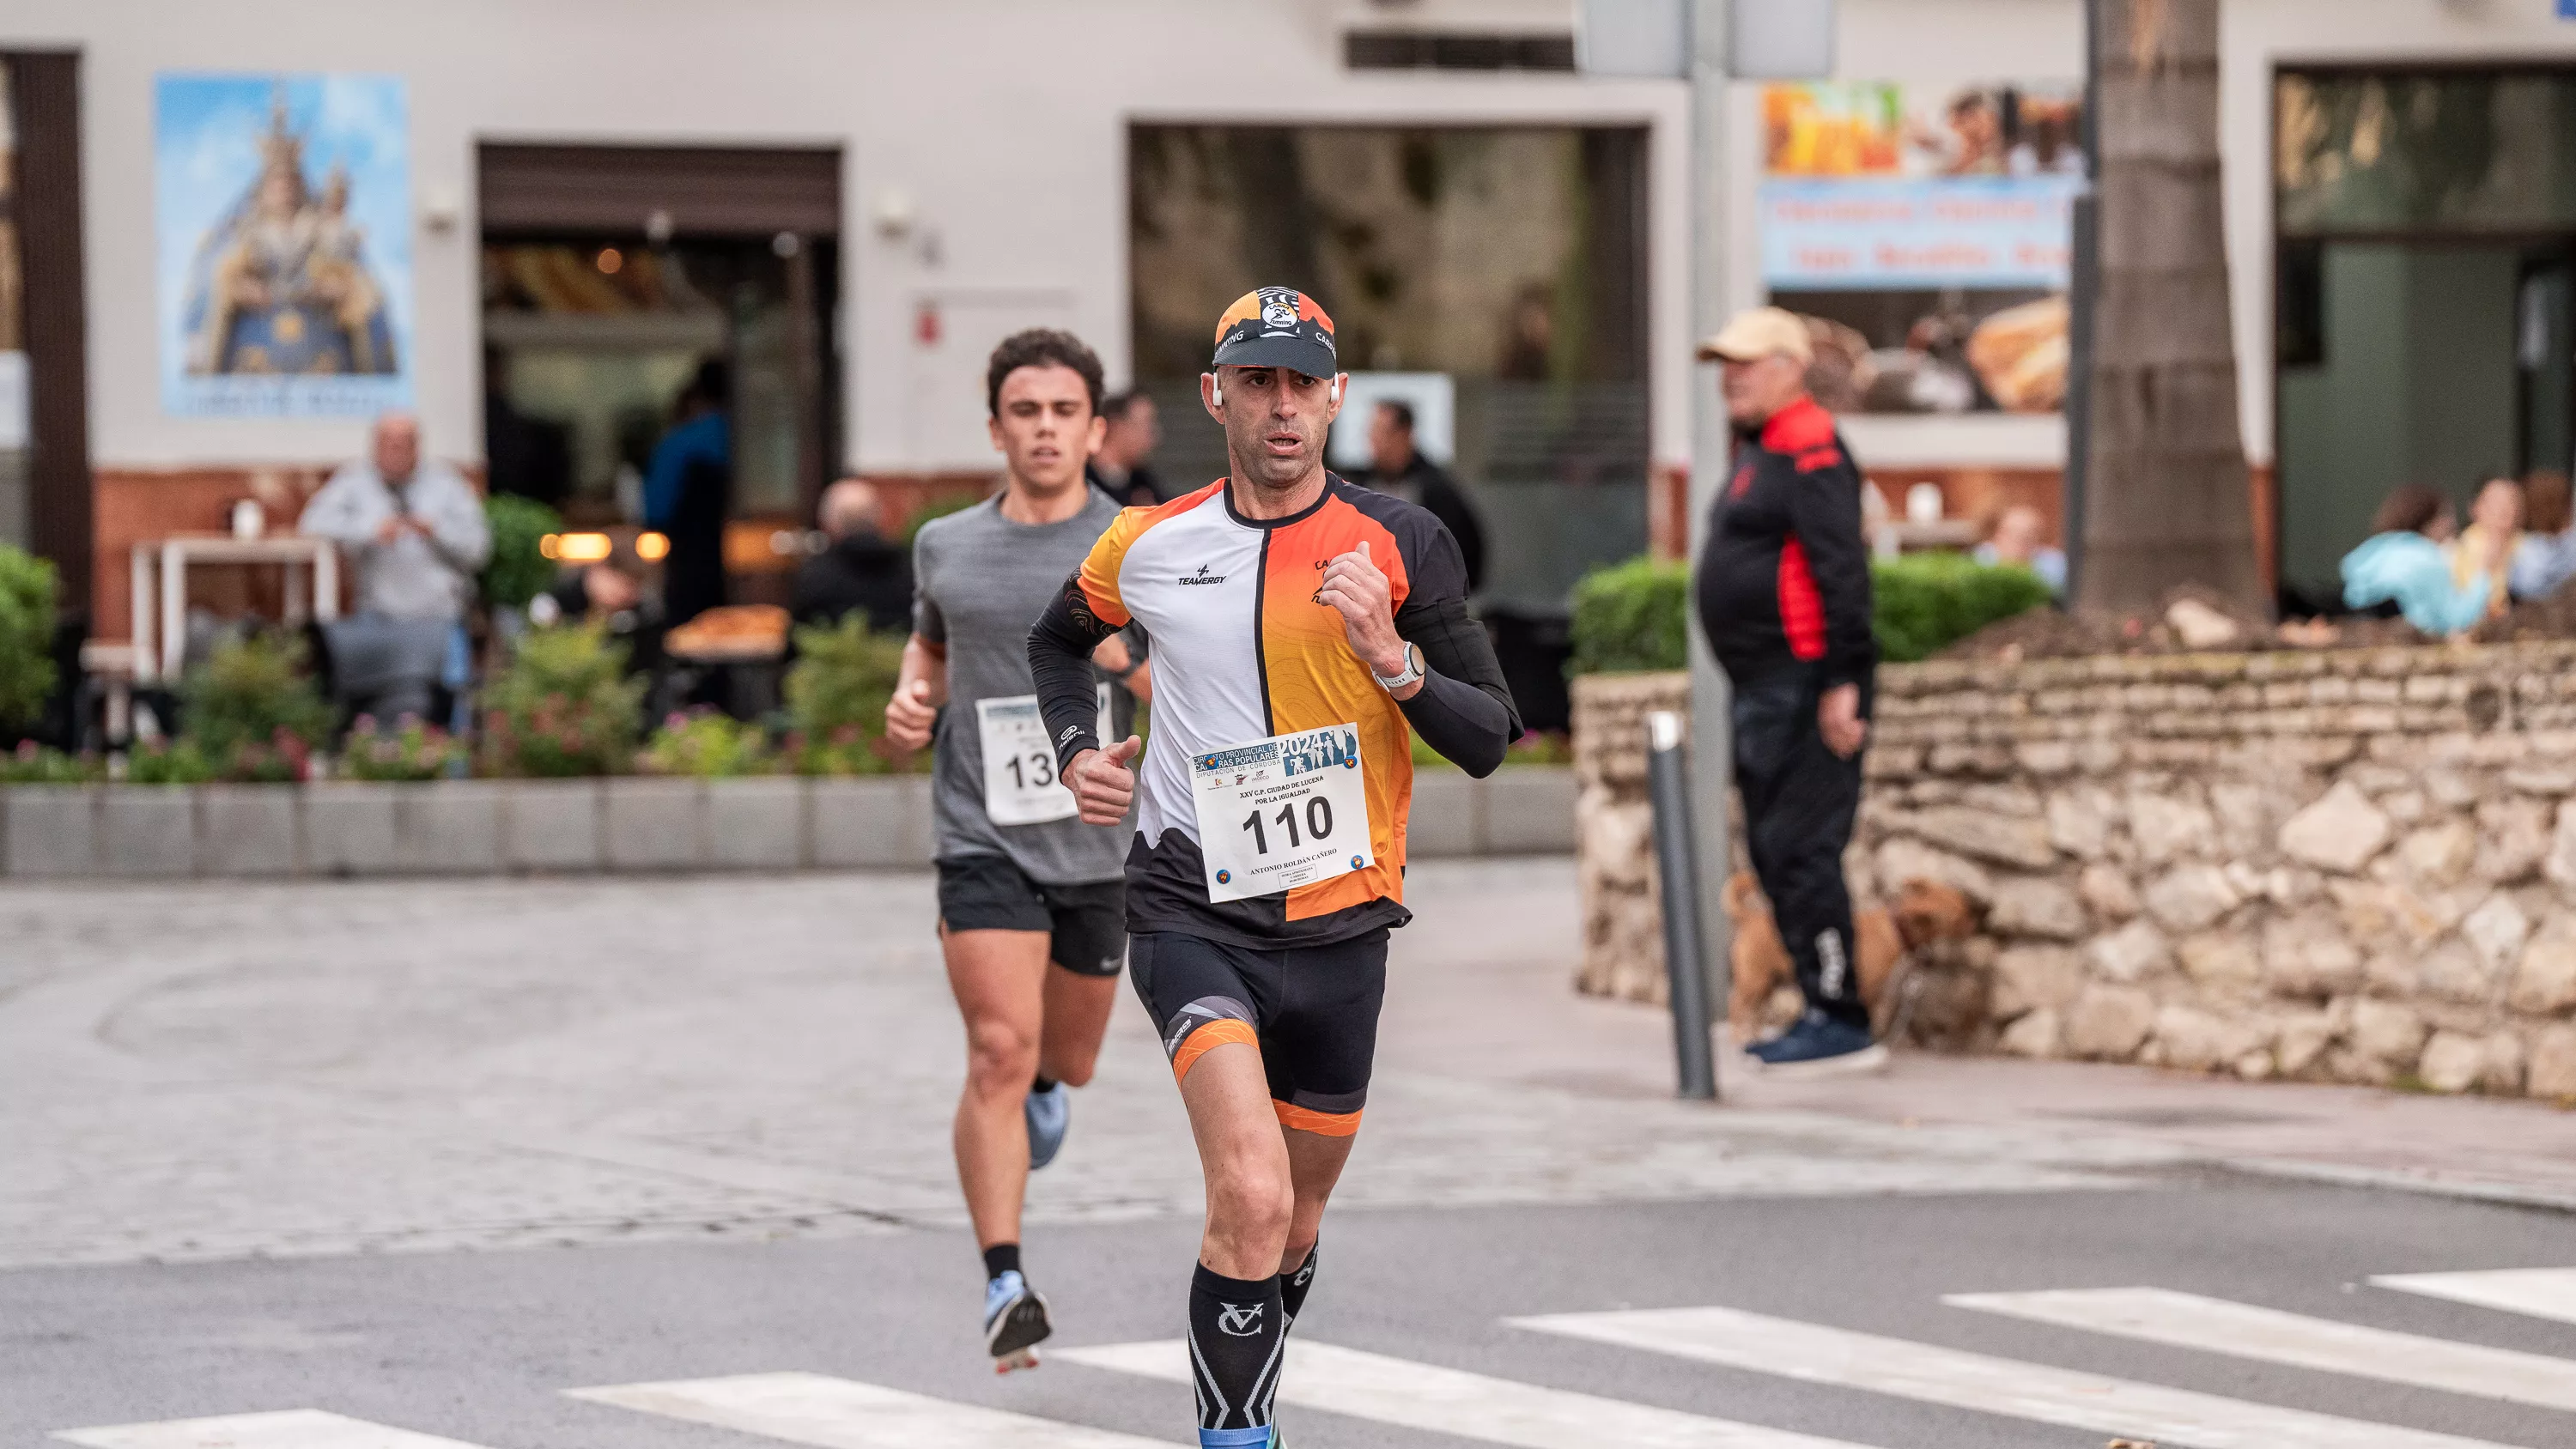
x=2166 y=495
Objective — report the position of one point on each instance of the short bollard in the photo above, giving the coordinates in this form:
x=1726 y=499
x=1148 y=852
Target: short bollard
x=1676 y=861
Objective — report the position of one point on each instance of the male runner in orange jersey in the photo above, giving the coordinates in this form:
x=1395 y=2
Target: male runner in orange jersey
x=1303 y=630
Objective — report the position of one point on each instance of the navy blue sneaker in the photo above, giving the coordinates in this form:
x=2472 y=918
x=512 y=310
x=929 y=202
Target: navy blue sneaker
x=1819 y=1046
x=1049 y=1113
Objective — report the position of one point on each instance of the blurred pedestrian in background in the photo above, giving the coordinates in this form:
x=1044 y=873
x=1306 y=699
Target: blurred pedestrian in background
x=415 y=537
x=1398 y=468
x=2545 y=557
x=2404 y=564
x=688 y=490
x=1784 y=595
x=2486 y=545
x=1118 y=469
x=2017 y=536
x=860 y=571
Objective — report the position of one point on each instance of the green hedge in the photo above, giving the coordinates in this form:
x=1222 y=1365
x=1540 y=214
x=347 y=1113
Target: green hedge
x=27 y=590
x=1634 y=616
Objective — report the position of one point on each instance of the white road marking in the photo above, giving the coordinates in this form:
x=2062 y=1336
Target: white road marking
x=1463 y=1405
x=2215 y=1325
x=2533 y=1292
x=845 y=1414
x=1813 y=1353
x=285 y=1429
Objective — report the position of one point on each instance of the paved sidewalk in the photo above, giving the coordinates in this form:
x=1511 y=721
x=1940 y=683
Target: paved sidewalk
x=214 y=1071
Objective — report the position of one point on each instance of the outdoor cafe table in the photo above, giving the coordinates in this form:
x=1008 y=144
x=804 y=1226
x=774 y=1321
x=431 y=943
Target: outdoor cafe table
x=161 y=626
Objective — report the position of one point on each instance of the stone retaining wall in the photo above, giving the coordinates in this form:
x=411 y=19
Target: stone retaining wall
x=2352 y=866
x=491 y=827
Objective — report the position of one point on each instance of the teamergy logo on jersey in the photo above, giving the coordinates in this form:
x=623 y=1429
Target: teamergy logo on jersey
x=1201 y=577
x=1319 y=750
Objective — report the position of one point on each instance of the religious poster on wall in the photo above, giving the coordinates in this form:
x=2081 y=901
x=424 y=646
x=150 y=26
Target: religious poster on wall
x=283 y=211
x=1926 y=232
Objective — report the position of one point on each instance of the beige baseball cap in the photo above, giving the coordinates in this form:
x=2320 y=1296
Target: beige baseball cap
x=1759 y=333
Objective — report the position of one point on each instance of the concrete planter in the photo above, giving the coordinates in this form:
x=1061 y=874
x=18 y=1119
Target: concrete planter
x=352 y=829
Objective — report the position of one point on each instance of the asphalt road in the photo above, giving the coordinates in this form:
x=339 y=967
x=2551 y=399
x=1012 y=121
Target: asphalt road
x=481 y=1347
x=432 y=1157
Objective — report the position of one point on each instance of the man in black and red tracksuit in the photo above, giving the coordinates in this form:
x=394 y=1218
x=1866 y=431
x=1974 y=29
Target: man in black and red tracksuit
x=1784 y=594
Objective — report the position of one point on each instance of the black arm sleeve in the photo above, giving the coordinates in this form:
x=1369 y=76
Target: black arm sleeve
x=1463 y=710
x=1824 y=512
x=1060 y=648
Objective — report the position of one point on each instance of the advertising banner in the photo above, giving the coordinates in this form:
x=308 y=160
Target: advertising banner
x=1925 y=232
x=283 y=213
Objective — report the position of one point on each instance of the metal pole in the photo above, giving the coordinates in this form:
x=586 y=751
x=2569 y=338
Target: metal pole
x=1712 y=438
x=1676 y=862
x=2085 y=284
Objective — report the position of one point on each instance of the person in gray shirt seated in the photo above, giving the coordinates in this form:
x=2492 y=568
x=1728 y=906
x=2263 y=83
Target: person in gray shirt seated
x=414 y=536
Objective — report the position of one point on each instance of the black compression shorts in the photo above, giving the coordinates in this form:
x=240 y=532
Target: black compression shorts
x=1086 y=925
x=1312 y=1010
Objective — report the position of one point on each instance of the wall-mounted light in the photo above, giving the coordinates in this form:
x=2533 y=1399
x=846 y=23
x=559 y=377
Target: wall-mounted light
x=652 y=547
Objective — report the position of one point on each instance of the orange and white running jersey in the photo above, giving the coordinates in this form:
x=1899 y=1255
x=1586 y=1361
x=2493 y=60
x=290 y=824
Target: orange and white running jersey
x=1241 y=652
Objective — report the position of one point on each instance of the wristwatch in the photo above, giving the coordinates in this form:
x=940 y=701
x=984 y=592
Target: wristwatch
x=1412 y=671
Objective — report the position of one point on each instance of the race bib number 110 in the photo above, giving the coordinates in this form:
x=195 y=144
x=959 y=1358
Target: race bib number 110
x=1287 y=811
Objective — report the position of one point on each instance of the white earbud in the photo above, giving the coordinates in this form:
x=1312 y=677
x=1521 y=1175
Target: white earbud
x=1216 y=391
x=1337 y=389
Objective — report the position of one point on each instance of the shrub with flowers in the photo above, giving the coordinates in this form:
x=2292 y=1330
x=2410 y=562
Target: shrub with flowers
x=708 y=744
x=168 y=762
x=252 y=711
x=412 y=750
x=34 y=764
x=836 y=699
x=563 y=705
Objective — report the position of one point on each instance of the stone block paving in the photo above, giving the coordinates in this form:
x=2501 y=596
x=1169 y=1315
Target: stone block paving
x=217 y=1070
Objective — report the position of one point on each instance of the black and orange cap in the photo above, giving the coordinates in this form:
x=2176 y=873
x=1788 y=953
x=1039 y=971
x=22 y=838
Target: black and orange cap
x=1276 y=327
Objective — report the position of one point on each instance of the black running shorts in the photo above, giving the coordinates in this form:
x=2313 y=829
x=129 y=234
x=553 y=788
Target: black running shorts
x=1086 y=925
x=1312 y=1010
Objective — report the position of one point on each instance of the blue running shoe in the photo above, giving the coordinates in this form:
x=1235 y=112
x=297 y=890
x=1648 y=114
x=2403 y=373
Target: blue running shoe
x=1015 y=1322
x=1049 y=1112
x=1266 y=1437
x=1819 y=1046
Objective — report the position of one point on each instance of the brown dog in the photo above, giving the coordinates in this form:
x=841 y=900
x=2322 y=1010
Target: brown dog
x=1925 y=911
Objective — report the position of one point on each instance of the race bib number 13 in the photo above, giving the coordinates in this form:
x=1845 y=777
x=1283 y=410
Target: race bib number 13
x=1287 y=811
x=1020 y=784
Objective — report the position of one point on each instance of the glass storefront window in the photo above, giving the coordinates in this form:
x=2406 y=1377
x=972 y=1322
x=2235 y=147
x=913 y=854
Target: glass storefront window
x=1509 y=259
x=2451 y=151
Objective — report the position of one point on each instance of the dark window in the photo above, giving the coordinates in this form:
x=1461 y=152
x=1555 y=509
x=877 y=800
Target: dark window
x=1455 y=50
x=2300 y=320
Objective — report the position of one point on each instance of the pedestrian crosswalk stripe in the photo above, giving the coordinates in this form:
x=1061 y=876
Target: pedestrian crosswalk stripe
x=1460 y=1404
x=1813 y=1353
x=2187 y=1320
x=2536 y=1292
x=845 y=1414
x=285 y=1429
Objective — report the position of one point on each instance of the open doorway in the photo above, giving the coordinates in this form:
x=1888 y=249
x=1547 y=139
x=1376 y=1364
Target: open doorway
x=615 y=279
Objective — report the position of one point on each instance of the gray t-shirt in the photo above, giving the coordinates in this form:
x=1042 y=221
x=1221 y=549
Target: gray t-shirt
x=979 y=583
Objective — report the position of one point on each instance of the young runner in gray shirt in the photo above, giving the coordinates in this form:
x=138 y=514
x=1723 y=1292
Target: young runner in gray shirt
x=1032 y=903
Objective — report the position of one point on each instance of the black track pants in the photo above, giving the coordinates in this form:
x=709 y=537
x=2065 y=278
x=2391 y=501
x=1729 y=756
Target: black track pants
x=1799 y=799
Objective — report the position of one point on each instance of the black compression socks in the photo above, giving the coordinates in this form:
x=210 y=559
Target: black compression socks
x=1236 y=1333
x=1293 y=1286
x=999 y=1259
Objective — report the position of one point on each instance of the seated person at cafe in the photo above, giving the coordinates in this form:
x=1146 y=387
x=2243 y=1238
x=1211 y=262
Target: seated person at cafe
x=860 y=571
x=2019 y=536
x=615 y=595
x=414 y=536
x=2403 y=565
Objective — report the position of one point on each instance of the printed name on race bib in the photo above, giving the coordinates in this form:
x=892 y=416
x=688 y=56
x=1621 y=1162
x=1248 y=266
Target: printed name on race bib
x=1283 y=812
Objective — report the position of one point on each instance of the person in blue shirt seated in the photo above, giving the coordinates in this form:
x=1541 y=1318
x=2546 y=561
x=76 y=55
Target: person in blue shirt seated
x=688 y=491
x=2544 y=558
x=2403 y=563
x=2020 y=536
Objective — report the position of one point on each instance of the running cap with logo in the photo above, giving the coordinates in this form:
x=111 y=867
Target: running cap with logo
x=1759 y=333
x=1276 y=327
